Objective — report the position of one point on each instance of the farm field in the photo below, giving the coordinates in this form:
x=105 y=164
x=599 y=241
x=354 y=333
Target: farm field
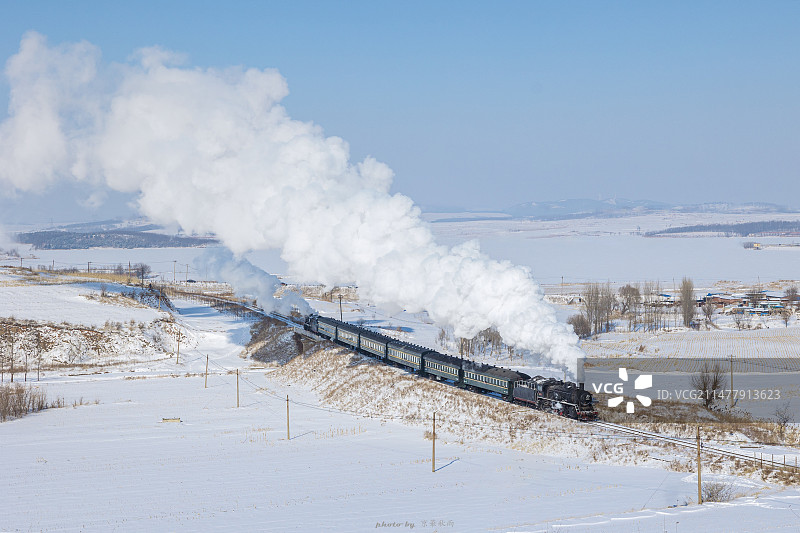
x=777 y=341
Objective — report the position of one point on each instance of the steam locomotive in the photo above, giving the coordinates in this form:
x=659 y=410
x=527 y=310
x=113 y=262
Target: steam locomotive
x=547 y=394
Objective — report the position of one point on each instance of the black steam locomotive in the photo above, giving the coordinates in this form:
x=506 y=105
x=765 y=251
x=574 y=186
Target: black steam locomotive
x=556 y=396
x=548 y=394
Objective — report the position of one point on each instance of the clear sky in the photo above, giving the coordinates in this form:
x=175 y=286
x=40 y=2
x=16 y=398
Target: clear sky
x=483 y=105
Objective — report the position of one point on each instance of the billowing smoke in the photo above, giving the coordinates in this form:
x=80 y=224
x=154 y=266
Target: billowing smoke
x=220 y=264
x=214 y=151
x=6 y=242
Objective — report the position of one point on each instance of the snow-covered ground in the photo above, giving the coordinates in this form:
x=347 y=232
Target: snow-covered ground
x=357 y=462
x=76 y=304
x=589 y=249
x=110 y=461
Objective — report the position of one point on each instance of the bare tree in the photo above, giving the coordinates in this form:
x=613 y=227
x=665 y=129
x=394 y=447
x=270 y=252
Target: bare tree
x=608 y=303
x=755 y=296
x=466 y=346
x=25 y=351
x=10 y=339
x=598 y=306
x=591 y=306
x=37 y=346
x=739 y=320
x=783 y=416
x=581 y=326
x=708 y=309
x=490 y=337
x=443 y=337
x=786 y=315
x=709 y=381
x=630 y=298
x=791 y=297
x=142 y=271
x=688 y=302
x=652 y=309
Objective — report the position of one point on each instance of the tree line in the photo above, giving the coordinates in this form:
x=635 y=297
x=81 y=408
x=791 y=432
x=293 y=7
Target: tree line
x=645 y=307
x=744 y=229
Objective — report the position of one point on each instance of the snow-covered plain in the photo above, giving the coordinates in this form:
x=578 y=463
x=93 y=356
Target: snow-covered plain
x=114 y=464
x=57 y=303
x=110 y=462
x=589 y=249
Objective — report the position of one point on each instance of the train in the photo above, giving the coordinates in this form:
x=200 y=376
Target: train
x=564 y=398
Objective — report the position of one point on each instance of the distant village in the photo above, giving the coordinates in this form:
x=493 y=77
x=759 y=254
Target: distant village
x=648 y=307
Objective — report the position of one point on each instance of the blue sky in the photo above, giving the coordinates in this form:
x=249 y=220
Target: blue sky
x=482 y=105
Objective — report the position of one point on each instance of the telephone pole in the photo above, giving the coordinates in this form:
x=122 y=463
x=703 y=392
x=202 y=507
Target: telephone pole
x=699 y=482
x=433 y=452
x=731 y=381
x=340 y=309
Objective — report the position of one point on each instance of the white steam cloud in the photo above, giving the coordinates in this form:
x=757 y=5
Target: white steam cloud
x=248 y=279
x=213 y=151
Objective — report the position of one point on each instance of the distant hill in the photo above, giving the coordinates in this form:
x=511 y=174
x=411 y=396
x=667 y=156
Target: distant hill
x=780 y=228
x=582 y=208
x=76 y=240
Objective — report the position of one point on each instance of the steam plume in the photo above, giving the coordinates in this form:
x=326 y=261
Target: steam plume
x=249 y=279
x=214 y=151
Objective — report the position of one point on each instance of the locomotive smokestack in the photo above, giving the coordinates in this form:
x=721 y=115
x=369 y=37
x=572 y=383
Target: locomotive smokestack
x=580 y=386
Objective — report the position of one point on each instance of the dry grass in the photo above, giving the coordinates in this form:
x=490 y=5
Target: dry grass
x=273 y=343
x=680 y=419
x=17 y=400
x=122 y=279
x=717 y=492
x=367 y=388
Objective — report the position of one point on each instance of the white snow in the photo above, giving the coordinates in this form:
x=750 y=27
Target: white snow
x=67 y=303
x=110 y=462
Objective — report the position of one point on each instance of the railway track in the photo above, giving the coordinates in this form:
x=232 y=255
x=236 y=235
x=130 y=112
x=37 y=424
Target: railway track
x=692 y=444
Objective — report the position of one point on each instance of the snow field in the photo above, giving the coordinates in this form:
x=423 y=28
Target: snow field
x=776 y=342
x=73 y=304
x=115 y=465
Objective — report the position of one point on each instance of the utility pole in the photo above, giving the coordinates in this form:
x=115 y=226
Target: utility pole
x=12 y=358
x=174 y=262
x=88 y=265
x=699 y=482
x=177 y=355
x=237 y=388
x=287 y=417
x=731 y=381
x=340 y=308
x=206 y=383
x=187 y=273
x=39 y=359
x=433 y=452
